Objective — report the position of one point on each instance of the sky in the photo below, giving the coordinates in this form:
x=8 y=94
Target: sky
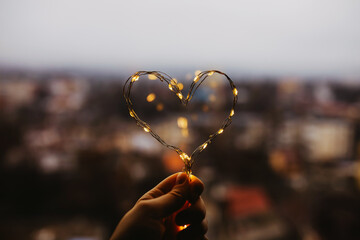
x=260 y=37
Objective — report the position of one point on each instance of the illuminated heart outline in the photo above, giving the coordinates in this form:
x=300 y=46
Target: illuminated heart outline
x=172 y=84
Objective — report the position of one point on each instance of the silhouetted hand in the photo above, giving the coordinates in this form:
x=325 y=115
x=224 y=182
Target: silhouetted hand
x=162 y=213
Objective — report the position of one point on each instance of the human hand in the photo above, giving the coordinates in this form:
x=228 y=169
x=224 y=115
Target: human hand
x=160 y=213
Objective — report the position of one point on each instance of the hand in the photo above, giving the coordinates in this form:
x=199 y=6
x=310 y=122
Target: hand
x=160 y=213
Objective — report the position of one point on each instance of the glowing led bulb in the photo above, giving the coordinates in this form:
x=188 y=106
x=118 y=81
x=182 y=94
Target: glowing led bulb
x=220 y=131
x=196 y=79
x=180 y=86
x=131 y=114
x=170 y=87
x=204 y=145
x=135 y=78
x=173 y=81
x=146 y=129
x=211 y=73
x=182 y=227
x=152 y=77
x=235 y=91
x=179 y=95
x=232 y=112
x=184 y=156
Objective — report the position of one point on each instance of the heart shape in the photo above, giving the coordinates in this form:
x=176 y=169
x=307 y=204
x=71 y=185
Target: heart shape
x=172 y=85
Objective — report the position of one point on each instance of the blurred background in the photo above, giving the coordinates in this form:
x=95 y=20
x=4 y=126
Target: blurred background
x=72 y=160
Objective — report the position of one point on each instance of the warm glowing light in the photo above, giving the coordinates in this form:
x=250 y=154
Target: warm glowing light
x=152 y=77
x=191 y=178
x=185 y=132
x=235 y=91
x=184 y=156
x=159 y=107
x=179 y=95
x=212 y=98
x=173 y=81
x=182 y=122
x=135 y=78
x=151 y=97
x=182 y=227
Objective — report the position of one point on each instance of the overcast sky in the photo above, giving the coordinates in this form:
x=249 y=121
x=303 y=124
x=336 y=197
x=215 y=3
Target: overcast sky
x=306 y=37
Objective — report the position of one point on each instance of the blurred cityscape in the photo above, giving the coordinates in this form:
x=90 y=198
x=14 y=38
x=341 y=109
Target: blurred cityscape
x=72 y=160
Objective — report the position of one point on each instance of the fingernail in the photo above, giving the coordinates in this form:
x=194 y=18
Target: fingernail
x=181 y=178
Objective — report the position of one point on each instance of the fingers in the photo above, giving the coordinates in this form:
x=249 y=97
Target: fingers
x=194 y=231
x=192 y=215
x=171 y=194
x=197 y=187
x=170 y=202
x=166 y=204
x=162 y=188
x=165 y=186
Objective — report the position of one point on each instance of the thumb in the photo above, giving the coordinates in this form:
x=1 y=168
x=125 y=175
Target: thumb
x=172 y=201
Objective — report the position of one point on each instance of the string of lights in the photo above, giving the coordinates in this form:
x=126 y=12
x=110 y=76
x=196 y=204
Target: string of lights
x=173 y=86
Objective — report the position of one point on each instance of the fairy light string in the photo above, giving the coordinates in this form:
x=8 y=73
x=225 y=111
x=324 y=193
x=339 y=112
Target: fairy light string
x=173 y=86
